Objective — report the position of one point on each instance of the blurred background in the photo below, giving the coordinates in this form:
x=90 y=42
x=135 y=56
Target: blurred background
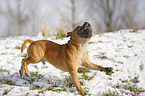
x=29 y=17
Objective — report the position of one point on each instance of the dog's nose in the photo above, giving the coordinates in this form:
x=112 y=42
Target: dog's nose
x=86 y=24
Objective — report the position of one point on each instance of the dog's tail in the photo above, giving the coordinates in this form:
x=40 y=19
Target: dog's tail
x=24 y=44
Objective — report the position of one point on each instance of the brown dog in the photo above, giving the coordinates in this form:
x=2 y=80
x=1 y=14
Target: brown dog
x=67 y=57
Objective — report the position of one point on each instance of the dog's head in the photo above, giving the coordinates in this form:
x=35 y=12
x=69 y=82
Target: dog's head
x=81 y=32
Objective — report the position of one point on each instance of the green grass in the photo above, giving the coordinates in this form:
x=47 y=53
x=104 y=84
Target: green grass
x=110 y=93
x=5 y=92
x=100 y=41
x=84 y=74
x=109 y=73
x=17 y=47
x=129 y=87
x=60 y=33
x=83 y=70
x=91 y=42
x=52 y=89
x=6 y=81
x=101 y=56
x=134 y=31
x=86 y=77
x=3 y=53
x=68 y=82
x=25 y=55
x=4 y=70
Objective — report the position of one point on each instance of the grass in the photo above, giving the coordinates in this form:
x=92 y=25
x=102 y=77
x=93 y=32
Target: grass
x=134 y=31
x=3 y=53
x=126 y=87
x=57 y=86
x=91 y=42
x=109 y=73
x=63 y=26
x=5 y=92
x=4 y=70
x=83 y=70
x=101 y=56
x=84 y=74
x=17 y=47
x=69 y=85
x=52 y=89
x=34 y=77
x=110 y=93
x=68 y=82
x=25 y=55
x=46 y=29
x=16 y=73
x=100 y=41
x=86 y=77
x=6 y=81
x=60 y=33
x=129 y=87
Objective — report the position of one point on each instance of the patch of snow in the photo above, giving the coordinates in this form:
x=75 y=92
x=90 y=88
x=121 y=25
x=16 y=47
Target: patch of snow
x=124 y=51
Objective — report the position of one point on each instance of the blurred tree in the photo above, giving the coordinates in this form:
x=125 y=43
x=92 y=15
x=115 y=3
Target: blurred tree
x=129 y=14
x=19 y=16
x=33 y=12
x=73 y=12
x=111 y=15
x=22 y=16
x=77 y=10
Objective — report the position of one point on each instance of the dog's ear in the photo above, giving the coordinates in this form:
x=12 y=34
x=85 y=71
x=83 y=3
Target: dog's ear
x=68 y=34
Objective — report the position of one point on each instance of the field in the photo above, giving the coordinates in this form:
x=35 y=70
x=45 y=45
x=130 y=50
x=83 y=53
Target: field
x=124 y=50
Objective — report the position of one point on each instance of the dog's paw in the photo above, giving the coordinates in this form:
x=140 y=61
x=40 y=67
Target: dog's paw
x=83 y=92
x=20 y=73
x=27 y=74
x=108 y=69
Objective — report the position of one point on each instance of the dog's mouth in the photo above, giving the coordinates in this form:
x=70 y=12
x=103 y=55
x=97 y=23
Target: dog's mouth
x=85 y=31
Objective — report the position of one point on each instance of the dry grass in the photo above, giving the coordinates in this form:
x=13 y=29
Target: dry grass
x=46 y=29
x=64 y=25
x=60 y=32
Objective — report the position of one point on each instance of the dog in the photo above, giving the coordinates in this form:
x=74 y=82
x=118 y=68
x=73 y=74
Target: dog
x=67 y=57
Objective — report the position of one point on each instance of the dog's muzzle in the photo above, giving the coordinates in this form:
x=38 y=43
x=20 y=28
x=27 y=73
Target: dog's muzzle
x=85 y=31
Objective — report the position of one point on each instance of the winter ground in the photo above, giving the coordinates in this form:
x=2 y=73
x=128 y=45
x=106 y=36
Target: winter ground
x=123 y=50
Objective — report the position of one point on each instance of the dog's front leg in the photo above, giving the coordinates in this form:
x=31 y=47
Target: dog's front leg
x=75 y=78
x=89 y=65
x=93 y=66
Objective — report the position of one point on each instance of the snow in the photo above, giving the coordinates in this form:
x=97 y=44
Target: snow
x=124 y=51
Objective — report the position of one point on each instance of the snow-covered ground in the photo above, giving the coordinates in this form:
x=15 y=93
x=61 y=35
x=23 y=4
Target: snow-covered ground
x=123 y=50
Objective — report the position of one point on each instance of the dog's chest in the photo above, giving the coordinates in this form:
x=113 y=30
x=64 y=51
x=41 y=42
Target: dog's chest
x=81 y=54
x=83 y=50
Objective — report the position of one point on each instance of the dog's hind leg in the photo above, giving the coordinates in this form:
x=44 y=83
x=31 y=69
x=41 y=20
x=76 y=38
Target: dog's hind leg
x=26 y=62
x=21 y=71
x=24 y=67
x=43 y=60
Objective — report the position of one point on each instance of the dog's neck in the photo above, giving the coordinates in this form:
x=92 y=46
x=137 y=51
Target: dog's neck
x=81 y=46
